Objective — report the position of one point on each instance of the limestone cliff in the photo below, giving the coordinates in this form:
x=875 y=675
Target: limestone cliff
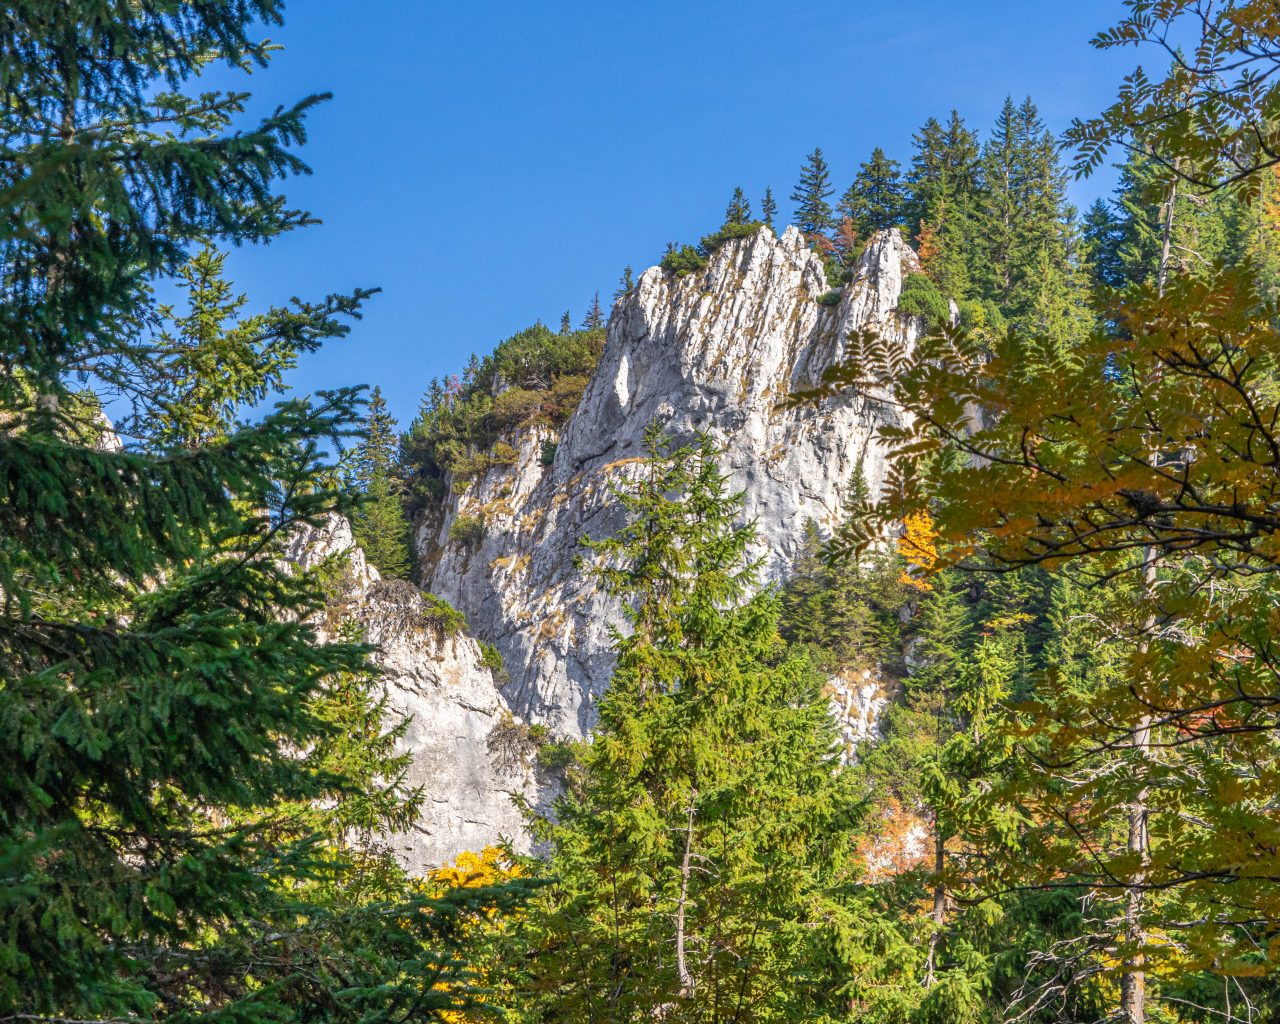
x=470 y=753
x=715 y=351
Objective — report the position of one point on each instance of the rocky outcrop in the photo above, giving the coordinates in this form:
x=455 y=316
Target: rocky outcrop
x=470 y=753
x=857 y=698
x=715 y=351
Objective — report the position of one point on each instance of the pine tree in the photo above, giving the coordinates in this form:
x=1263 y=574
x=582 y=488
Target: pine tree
x=565 y=324
x=626 y=283
x=768 y=208
x=697 y=848
x=1101 y=233
x=739 y=208
x=812 y=195
x=381 y=525
x=874 y=201
x=1032 y=268
x=594 y=320
x=942 y=202
x=172 y=792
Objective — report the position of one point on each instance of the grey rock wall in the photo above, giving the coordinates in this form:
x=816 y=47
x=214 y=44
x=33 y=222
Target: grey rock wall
x=713 y=351
x=470 y=755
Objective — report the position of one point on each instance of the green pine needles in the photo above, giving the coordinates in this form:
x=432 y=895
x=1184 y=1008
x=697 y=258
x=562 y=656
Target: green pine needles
x=381 y=524
x=702 y=836
x=191 y=781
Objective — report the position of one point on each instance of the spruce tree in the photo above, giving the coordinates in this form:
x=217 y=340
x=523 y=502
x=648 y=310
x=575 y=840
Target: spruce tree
x=812 y=196
x=1101 y=235
x=566 y=325
x=169 y=771
x=696 y=852
x=380 y=525
x=1165 y=228
x=768 y=208
x=626 y=283
x=942 y=202
x=874 y=201
x=594 y=320
x=739 y=208
x=1032 y=268
x=377 y=449
x=999 y=222
x=1258 y=236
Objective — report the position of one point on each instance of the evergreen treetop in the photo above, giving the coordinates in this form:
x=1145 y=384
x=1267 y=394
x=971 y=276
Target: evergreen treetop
x=739 y=209
x=768 y=208
x=594 y=320
x=376 y=452
x=380 y=525
x=874 y=201
x=626 y=283
x=942 y=204
x=812 y=195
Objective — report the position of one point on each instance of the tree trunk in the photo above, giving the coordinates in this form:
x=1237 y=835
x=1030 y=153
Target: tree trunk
x=682 y=961
x=939 y=913
x=1166 y=234
x=1133 y=983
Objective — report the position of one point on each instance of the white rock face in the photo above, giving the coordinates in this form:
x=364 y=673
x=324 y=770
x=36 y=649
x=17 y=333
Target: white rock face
x=857 y=699
x=469 y=753
x=714 y=351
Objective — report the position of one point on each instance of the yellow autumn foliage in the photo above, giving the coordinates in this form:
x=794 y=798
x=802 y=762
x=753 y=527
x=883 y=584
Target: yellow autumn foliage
x=919 y=546
x=491 y=866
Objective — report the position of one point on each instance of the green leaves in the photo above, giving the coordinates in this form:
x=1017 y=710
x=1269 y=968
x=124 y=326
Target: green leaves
x=1210 y=119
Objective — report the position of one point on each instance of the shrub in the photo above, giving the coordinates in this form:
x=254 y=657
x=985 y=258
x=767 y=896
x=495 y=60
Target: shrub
x=566 y=393
x=548 y=453
x=503 y=454
x=439 y=614
x=509 y=740
x=682 y=261
x=831 y=298
x=553 y=756
x=920 y=297
x=688 y=259
x=491 y=658
x=982 y=318
x=461 y=419
x=515 y=407
x=466 y=529
x=468 y=467
x=712 y=242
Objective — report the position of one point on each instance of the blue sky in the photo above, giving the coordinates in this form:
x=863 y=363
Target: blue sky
x=491 y=163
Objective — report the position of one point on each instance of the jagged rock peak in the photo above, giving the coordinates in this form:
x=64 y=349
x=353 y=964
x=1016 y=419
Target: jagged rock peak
x=715 y=350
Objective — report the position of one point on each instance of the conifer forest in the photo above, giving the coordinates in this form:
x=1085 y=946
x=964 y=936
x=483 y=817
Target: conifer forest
x=866 y=612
